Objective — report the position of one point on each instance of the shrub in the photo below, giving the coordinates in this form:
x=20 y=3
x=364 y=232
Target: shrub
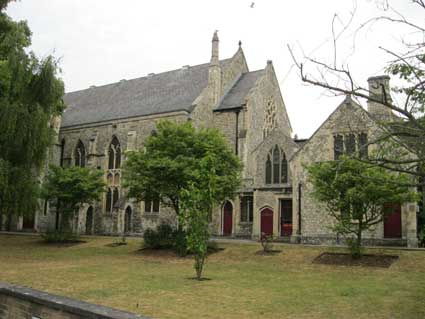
x=162 y=237
x=180 y=242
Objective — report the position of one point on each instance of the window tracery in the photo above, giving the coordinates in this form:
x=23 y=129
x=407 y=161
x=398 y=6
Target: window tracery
x=276 y=166
x=270 y=117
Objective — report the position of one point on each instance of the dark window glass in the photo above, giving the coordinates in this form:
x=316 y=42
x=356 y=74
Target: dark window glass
x=62 y=153
x=284 y=169
x=363 y=147
x=127 y=221
x=286 y=210
x=111 y=158
x=268 y=170
x=116 y=196
x=109 y=200
x=80 y=155
x=45 y=207
x=350 y=144
x=247 y=208
x=276 y=165
x=148 y=205
x=338 y=146
x=155 y=204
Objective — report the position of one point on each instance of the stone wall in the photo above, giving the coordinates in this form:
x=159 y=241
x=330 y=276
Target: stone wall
x=96 y=138
x=24 y=303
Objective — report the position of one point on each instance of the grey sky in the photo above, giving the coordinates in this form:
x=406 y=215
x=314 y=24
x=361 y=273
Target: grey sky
x=103 y=41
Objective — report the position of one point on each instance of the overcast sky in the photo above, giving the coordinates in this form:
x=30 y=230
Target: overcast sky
x=104 y=41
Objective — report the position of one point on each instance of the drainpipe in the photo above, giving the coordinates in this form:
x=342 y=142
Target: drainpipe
x=299 y=209
x=237 y=132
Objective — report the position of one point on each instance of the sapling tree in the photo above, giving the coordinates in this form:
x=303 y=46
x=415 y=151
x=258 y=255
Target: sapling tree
x=71 y=188
x=357 y=195
x=198 y=201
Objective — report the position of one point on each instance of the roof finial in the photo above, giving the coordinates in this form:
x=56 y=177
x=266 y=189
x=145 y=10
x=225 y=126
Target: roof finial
x=240 y=43
x=215 y=36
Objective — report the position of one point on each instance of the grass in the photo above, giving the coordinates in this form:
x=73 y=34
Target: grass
x=243 y=284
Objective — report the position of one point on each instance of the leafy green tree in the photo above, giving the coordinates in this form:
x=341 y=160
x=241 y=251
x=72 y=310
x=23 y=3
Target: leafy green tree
x=170 y=160
x=357 y=195
x=71 y=188
x=30 y=97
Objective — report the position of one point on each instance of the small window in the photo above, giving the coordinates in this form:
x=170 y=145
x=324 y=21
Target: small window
x=152 y=204
x=247 y=209
x=363 y=145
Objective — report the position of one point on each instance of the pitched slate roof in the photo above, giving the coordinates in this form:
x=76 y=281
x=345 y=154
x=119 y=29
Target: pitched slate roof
x=235 y=97
x=160 y=93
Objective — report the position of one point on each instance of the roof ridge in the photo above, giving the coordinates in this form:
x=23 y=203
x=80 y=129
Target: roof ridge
x=143 y=77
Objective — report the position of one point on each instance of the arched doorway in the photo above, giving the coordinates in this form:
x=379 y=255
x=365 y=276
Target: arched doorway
x=127 y=220
x=89 y=221
x=227 y=218
x=28 y=222
x=267 y=221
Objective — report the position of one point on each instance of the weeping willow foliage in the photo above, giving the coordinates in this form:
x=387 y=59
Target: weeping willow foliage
x=30 y=97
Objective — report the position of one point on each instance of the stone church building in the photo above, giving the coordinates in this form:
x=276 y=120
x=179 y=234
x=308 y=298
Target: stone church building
x=102 y=123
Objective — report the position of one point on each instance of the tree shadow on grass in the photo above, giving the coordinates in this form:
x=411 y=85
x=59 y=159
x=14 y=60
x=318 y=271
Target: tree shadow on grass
x=345 y=259
x=170 y=252
x=268 y=253
x=118 y=244
x=196 y=279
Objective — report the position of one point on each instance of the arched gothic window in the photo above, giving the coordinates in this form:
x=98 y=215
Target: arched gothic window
x=276 y=166
x=80 y=154
x=112 y=197
x=128 y=220
x=114 y=154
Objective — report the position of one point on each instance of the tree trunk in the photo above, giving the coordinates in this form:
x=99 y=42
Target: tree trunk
x=357 y=251
x=199 y=265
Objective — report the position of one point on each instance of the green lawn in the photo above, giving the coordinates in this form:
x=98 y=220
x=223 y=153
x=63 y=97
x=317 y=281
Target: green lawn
x=242 y=283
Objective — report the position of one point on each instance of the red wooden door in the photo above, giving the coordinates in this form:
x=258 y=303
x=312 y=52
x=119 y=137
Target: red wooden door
x=392 y=223
x=227 y=218
x=267 y=221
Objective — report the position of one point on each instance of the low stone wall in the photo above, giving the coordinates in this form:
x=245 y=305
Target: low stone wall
x=24 y=303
